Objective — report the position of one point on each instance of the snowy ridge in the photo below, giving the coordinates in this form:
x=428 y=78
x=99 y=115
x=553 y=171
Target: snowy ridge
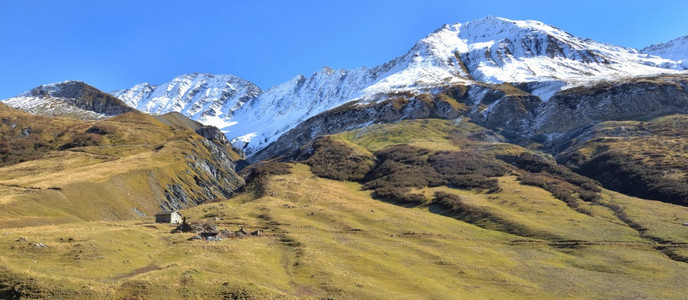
x=499 y=50
x=282 y=107
x=208 y=98
x=136 y=94
x=54 y=107
x=676 y=49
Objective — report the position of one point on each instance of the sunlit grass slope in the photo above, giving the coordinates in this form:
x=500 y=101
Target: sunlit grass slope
x=325 y=238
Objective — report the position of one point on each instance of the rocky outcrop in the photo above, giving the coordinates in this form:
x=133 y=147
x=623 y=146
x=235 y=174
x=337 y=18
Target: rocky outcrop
x=210 y=175
x=83 y=96
x=607 y=101
x=212 y=133
x=509 y=112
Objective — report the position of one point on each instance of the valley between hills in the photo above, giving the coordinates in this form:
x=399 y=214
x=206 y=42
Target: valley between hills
x=336 y=238
x=495 y=159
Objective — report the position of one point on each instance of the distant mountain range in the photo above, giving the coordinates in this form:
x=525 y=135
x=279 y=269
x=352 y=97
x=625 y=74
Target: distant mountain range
x=538 y=59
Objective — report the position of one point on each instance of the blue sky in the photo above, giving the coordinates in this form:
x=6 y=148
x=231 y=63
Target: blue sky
x=115 y=44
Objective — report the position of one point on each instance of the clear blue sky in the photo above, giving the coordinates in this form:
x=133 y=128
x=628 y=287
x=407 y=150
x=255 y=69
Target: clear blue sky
x=114 y=44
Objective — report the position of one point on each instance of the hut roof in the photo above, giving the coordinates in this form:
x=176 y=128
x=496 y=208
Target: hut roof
x=166 y=212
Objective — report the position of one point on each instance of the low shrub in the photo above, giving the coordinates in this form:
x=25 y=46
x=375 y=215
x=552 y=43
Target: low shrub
x=474 y=181
x=101 y=129
x=393 y=173
x=403 y=165
x=537 y=164
x=589 y=196
x=405 y=154
x=83 y=140
x=464 y=162
x=452 y=202
x=270 y=167
x=399 y=195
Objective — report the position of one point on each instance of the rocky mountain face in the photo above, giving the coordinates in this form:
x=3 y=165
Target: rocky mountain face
x=453 y=102
x=614 y=100
x=538 y=59
x=70 y=99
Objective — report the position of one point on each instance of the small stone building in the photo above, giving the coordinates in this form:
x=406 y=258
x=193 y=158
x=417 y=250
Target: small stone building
x=168 y=216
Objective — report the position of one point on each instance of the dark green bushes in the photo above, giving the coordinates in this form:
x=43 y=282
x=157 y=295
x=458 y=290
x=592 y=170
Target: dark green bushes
x=256 y=176
x=335 y=160
x=101 y=129
x=621 y=172
x=398 y=168
x=464 y=162
x=453 y=203
x=398 y=195
x=536 y=164
x=560 y=181
x=264 y=169
x=83 y=140
x=401 y=167
x=560 y=189
x=23 y=149
x=474 y=181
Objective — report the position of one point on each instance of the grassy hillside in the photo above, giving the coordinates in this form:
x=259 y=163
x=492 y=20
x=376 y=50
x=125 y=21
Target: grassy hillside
x=56 y=170
x=327 y=238
x=438 y=209
x=641 y=158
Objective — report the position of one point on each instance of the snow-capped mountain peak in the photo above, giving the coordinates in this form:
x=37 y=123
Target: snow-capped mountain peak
x=498 y=50
x=493 y=28
x=487 y=50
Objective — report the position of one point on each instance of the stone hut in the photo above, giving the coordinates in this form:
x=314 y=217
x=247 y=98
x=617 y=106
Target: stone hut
x=168 y=216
